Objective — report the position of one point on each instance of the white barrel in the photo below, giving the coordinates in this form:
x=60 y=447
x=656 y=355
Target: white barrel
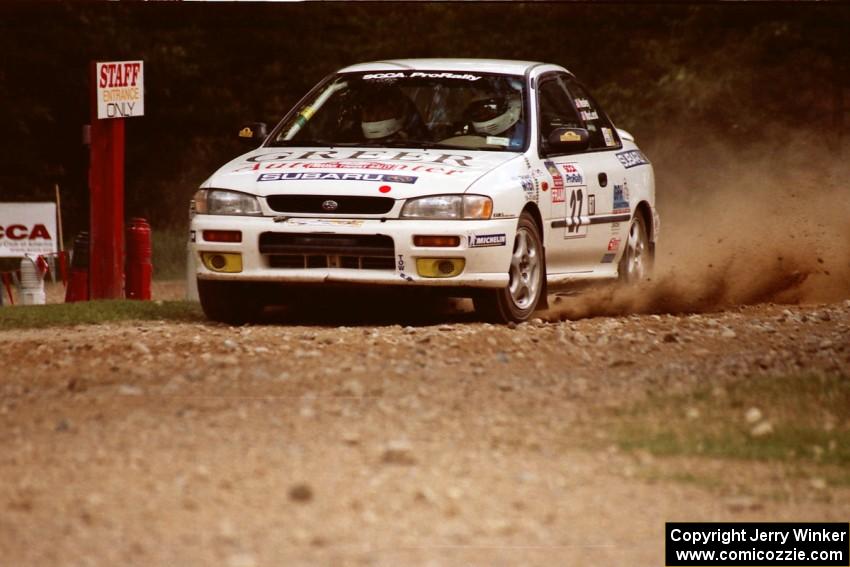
x=32 y=284
x=191 y=276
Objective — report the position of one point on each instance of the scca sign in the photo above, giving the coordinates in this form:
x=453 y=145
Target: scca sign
x=120 y=89
x=27 y=228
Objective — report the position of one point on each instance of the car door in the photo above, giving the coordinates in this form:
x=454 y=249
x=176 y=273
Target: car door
x=610 y=211
x=580 y=191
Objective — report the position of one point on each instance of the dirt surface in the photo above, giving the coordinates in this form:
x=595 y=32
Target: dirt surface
x=458 y=443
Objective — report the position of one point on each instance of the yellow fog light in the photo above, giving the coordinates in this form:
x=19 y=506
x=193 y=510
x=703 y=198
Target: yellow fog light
x=439 y=267
x=222 y=261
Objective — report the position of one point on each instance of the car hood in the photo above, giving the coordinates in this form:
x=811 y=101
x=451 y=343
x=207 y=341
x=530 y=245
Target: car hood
x=393 y=172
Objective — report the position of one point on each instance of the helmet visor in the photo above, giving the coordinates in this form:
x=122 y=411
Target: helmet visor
x=487 y=109
x=374 y=111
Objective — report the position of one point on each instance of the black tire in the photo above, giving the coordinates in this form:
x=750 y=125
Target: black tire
x=637 y=260
x=527 y=278
x=234 y=303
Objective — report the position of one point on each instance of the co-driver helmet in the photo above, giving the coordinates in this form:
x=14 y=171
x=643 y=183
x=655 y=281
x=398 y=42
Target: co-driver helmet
x=494 y=115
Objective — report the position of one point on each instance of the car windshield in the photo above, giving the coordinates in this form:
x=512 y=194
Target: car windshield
x=430 y=109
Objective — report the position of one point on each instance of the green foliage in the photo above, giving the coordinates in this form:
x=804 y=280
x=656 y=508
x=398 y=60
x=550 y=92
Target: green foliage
x=169 y=253
x=805 y=412
x=730 y=69
x=94 y=312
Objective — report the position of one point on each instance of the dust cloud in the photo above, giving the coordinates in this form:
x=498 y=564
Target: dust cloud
x=739 y=227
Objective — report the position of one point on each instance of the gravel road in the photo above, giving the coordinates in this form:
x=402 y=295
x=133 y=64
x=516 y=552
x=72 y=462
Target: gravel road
x=332 y=442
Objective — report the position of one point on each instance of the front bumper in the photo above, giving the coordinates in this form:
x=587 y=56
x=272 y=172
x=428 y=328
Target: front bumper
x=485 y=252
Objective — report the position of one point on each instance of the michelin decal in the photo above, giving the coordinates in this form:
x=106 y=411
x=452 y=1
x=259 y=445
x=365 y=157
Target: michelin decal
x=483 y=240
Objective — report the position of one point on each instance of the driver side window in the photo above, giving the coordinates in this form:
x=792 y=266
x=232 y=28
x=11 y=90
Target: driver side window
x=556 y=108
x=602 y=132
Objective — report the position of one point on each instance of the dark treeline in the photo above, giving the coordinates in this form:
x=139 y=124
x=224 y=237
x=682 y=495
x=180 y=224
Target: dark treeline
x=736 y=70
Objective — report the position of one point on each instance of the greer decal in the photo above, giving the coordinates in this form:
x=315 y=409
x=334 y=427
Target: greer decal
x=451 y=160
x=483 y=240
x=330 y=176
x=368 y=165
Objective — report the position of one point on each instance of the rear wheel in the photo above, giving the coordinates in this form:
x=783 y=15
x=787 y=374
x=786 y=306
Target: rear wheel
x=636 y=263
x=526 y=274
x=234 y=303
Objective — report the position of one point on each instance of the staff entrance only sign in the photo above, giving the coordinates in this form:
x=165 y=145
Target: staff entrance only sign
x=117 y=92
x=120 y=89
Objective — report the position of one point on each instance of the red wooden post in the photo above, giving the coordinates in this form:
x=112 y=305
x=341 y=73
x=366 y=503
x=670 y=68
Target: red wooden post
x=106 y=208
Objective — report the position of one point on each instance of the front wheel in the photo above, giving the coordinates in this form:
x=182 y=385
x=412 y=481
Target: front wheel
x=636 y=263
x=234 y=303
x=526 y=274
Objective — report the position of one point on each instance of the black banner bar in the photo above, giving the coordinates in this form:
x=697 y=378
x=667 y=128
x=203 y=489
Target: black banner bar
x=757 y=544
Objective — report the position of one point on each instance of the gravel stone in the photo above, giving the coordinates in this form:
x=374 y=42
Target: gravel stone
x=242 y=560
x=352 y=388
x=398 y=453
x=753 y=415
x=140 y=347
x=301 y=492
x=762 y=429
x=128 y=390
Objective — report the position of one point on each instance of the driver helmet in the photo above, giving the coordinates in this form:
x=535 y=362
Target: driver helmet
x=494 y=115
x=383 y=113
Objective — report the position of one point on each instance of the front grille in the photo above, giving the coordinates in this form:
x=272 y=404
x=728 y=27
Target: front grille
x=346 y=204
x=301 y=261
x=350 y=251
x=326 y=244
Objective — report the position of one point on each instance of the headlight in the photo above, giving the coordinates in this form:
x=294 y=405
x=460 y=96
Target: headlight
x=449 y=207
x=222 y=202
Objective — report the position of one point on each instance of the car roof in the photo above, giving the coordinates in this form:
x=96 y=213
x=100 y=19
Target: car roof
x=480 y=65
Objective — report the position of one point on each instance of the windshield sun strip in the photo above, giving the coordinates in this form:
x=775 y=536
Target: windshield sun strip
x=321 y=88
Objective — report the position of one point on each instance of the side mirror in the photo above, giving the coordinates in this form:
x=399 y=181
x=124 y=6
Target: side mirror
x=568 y=140
x=254 y=132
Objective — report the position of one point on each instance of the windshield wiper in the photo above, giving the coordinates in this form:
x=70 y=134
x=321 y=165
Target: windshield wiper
x=428 y=145
x=418 y=144
x=311 y=143
x=325 y=144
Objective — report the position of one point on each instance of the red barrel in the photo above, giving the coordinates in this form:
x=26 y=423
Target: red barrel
x=78 y=282
x=139 y=267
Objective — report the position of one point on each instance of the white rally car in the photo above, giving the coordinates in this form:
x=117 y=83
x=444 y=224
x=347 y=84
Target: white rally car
x=495 y=180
